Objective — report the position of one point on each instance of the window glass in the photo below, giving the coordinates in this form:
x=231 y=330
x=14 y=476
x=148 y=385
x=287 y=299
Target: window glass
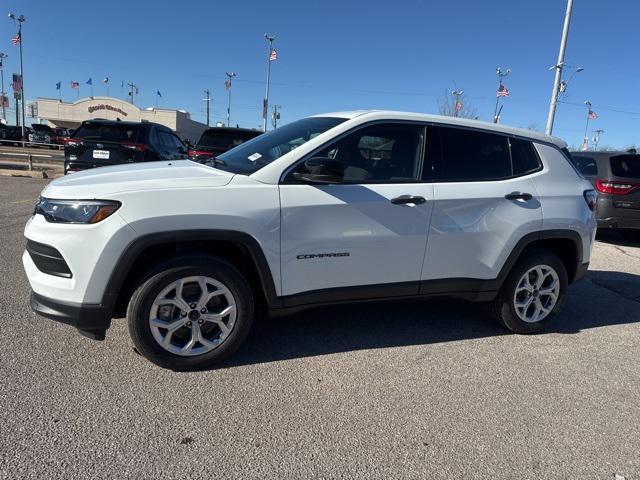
x=469 y=155
x=585 y=165
x=385 y=153
x=167 y=140
x=626 y=166
x=108 y=132
x=524 y=157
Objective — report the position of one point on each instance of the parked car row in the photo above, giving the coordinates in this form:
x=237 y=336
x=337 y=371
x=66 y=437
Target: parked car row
x=616 y=178
x=98 y=143
x=37 y=135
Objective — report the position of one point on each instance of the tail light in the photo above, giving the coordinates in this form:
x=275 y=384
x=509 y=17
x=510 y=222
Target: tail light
x=616 y=188
x=198 y=153
x=591 y=197
x=138 y=147
x=72 y=142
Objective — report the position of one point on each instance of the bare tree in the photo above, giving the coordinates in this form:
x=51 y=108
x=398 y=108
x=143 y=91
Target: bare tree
x=455 y=103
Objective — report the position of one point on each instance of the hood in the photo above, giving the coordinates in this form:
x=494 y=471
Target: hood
x=105 y=182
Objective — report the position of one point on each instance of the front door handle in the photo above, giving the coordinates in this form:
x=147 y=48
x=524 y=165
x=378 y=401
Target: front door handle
x=404 y=199
x=518 y=196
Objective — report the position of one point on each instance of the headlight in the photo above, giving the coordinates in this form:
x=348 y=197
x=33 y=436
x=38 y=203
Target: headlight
x=75 y=211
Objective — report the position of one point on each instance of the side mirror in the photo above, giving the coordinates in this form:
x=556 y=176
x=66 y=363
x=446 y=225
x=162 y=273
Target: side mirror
x=323 y=170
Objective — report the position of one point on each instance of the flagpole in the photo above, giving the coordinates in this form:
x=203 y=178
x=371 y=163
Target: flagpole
x=4 y=108
x=265 y=104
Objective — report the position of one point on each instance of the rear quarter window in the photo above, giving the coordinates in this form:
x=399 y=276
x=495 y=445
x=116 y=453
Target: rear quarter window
x=627 y=166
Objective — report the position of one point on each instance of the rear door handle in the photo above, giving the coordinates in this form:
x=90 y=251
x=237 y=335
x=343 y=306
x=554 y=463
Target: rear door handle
x=518 y=196
x=404 y=199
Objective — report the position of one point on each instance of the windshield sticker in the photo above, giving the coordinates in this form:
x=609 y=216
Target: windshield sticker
x=254 y=157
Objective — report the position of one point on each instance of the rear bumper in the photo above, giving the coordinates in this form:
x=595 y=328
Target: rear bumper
x=90 y=319
x=619 y=222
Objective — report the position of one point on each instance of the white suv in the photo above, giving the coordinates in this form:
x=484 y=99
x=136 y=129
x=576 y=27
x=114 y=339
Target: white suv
x=332 y=208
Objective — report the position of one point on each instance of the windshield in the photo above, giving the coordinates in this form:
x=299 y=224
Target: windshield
x=251 y=156
x=626 y=166
x=109 y=132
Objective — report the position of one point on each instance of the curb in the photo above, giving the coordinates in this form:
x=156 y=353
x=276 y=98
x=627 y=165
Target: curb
x=26 y=173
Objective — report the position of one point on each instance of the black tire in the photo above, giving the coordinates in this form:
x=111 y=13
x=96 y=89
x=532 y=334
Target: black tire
x=503 y=308
x=142 y=299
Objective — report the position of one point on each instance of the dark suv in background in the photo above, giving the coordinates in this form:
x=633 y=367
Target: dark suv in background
x=99 y=143
x=215 y=141
x=616 y=177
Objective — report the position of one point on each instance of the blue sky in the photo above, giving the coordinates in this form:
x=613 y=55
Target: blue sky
x=340 y=55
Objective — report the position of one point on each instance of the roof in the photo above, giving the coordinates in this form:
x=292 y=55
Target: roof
x=440 y=119
x=122 y=122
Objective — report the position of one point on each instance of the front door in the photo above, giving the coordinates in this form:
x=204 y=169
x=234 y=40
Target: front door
x=364 y=237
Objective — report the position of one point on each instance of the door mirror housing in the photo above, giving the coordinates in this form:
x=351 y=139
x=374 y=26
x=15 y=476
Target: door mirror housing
x=323 y=170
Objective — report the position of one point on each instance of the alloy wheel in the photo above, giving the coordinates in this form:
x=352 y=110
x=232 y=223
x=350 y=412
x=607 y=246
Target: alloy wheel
x=193 y=315
x=536 y=294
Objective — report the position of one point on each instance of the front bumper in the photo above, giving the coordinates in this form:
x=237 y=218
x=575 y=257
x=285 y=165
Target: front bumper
x=91 y=320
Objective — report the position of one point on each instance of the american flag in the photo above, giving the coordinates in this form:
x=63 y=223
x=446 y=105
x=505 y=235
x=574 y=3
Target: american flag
x=227 y=84
x=459 y=106
x=502 y=91
x=16 y=39
x=273 y=55
x=592 y=115
x=75 y=84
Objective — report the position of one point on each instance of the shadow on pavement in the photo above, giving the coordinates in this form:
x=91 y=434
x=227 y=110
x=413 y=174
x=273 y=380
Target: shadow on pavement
x=346 y=328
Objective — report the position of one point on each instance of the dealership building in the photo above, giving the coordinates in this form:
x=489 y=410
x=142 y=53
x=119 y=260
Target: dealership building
x=64 y=114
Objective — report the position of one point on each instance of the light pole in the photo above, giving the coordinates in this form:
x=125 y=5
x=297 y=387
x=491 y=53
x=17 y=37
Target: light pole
x=133 y=90
x=501 y=91
x=590 y=114
x=270 y=58
x=20 y=21
x=553 y=104
x=596 y=138
x=457 y=104
x=4 y=108
x=227 y=84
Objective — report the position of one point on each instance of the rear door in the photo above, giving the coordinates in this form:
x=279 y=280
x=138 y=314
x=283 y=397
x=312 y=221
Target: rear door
x=97 y=144
x=484 y=203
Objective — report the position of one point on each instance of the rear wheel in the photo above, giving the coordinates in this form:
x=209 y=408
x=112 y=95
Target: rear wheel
x=533 y=293
x=192 y=314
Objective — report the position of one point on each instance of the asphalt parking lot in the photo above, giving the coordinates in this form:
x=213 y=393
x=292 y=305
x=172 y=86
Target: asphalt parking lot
x=397 y=390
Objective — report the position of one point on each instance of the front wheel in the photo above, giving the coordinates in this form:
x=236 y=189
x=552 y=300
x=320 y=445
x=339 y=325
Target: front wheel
x=533 y=293
x=192 y=314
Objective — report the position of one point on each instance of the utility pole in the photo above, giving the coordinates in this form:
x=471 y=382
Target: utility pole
x=4 y=107
x=596 y=138
x=133 y=90
x=228 y=84
x=270 y=58
x=207 y=100
x=585 y=142
x=275 y=116
x=20 y=21
x=553 y=104
x=500 y=92
x=457 y=104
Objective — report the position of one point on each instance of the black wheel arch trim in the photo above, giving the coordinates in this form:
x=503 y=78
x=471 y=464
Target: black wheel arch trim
x=524 y=242
x=138 y=246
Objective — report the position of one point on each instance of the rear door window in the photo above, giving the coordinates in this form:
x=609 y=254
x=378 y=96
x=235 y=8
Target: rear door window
x=627 y=166
x=468 y=155
x=108 y=132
